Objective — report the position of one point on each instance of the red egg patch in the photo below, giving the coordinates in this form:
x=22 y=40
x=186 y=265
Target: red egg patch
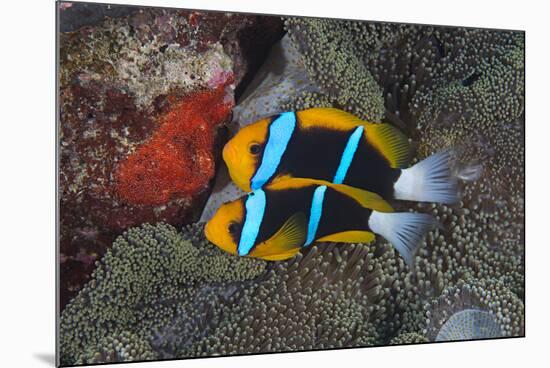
x=177 y=161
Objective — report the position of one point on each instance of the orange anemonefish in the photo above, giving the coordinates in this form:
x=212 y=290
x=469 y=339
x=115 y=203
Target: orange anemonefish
x=275 y=222
x=333 y=145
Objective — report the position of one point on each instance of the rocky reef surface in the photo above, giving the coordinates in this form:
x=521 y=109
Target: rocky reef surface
x=163 y=291
x=144 y=95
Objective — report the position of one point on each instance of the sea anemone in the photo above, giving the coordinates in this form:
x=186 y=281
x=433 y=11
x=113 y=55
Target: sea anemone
x=474 y=309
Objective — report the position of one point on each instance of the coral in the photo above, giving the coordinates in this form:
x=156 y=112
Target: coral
x=178 y=159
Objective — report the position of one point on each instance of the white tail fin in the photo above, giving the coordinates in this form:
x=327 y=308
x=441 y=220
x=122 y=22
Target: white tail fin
x=430 y=180
x=404 y=230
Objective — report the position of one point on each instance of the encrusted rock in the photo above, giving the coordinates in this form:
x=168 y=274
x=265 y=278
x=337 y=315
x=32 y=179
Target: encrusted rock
x=143 y=100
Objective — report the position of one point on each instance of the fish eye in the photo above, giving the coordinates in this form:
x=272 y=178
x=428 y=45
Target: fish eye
x=254 y=148
x=233 y=228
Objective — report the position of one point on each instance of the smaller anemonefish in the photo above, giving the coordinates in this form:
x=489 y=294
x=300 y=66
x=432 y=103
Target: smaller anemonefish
x=333 y=145
x=275 y=222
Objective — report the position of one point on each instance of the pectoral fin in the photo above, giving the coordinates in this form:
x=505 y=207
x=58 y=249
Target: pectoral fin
x=349 y=237
x=286 y=242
